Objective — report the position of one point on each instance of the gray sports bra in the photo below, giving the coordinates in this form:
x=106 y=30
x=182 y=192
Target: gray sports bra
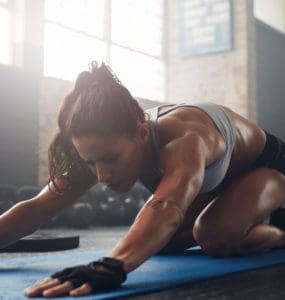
x=214 y=173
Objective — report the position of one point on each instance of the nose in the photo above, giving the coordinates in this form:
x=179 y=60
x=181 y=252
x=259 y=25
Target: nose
x=103 y=173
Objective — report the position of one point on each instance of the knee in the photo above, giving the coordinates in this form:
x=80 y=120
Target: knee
x=212 y=242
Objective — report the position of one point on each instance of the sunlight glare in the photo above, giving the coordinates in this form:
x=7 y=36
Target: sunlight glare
x=5 y=49
x=67 y=53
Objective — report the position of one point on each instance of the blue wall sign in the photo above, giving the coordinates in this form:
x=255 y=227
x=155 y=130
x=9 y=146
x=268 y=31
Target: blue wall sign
x=205 y=26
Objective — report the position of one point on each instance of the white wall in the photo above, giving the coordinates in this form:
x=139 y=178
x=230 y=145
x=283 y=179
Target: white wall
x=271 y=12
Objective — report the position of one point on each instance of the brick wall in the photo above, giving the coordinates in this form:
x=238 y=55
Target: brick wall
x=226 y=78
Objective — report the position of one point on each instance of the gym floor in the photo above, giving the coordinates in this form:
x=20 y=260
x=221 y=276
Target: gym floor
x=256 y=284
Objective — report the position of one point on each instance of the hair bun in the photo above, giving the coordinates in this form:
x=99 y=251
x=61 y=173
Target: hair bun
x=83 y=82
x=103 y=73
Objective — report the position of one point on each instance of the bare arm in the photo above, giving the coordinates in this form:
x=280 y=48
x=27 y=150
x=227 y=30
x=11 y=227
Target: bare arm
x=27 y=216
x=184 y=164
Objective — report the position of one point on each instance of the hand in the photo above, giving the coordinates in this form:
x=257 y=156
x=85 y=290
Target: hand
x=80 y=280
x=52 y=287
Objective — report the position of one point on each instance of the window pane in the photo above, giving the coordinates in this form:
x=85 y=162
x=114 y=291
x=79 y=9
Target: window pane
x=83 y=15
x=143 y=75
x=138 y=24
x=67 y=53
x=5 y=47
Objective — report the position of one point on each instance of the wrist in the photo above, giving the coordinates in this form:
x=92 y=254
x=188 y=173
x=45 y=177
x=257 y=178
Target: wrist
x=112 y=265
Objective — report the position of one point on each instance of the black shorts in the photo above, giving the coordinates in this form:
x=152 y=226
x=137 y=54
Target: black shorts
x=273 y=154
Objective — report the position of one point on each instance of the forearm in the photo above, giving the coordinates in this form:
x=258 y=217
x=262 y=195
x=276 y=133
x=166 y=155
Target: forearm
x=27 y=216
x=17 y=222
x=150 y=232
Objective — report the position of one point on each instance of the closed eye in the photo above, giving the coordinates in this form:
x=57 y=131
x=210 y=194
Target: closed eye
x=110 y=159
x=89 y=162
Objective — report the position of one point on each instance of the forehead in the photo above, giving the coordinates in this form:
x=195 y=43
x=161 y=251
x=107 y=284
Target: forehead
x=98 y=145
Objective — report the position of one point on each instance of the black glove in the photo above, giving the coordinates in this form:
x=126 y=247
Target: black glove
x=98 y=280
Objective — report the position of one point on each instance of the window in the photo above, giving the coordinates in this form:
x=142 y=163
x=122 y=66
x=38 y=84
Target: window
x=136 y=55
x=5 y=33
x=138 y=25
x=117 y=32
x=142 y=74
x=73 y=36
x=68 y=52
x=11 y=32
x=86 y=16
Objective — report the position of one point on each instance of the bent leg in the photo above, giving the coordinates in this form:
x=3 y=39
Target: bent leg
x=261 y=237
x=233 y=223
x=183 y=238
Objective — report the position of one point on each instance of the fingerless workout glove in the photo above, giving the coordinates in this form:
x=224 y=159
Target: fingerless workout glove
x=98 y=280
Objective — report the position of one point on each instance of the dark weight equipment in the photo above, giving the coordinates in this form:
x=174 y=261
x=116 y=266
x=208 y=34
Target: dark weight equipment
x=37 y=242
x=79 y=215
x=111 y=209
x=43 y=242
x=8 y=197
x=131 y=209
x=116 y=212
x=100 y=209
x=26 y=192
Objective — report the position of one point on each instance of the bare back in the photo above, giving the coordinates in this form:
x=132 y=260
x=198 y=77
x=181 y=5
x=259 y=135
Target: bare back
x=250 y=139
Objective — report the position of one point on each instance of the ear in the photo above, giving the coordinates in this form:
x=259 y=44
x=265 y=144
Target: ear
x=143 y=132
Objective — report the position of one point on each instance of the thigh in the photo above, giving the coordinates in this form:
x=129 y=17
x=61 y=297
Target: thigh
x=247 y=201
x=183 y=237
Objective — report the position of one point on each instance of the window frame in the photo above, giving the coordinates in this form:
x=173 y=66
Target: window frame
x=107 y=37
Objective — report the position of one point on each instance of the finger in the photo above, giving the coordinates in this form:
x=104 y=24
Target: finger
x=84 y=289
x=61 y=289
x=40 y=286
x=43 y=281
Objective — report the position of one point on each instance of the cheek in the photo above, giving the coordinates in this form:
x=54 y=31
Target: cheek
x=136 y=160
x=132 y=161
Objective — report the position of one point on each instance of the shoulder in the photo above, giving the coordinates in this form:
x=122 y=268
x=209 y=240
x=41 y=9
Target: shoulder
x=183 y=145
x=191 y=131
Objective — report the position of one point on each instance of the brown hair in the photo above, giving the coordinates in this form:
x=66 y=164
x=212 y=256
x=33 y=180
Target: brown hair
x=98 y=104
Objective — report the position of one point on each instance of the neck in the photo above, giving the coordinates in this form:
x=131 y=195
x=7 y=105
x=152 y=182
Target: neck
x=149 y=160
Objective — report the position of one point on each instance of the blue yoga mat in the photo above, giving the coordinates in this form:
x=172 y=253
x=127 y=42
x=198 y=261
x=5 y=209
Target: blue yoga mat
x=157 y=273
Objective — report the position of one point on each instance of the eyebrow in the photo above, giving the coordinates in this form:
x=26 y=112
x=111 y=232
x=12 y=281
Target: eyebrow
x=104 y=157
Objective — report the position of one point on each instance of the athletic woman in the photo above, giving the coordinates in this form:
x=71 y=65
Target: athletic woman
x=215 y=177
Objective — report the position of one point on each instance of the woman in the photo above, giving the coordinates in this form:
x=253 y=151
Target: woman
x=215 y=178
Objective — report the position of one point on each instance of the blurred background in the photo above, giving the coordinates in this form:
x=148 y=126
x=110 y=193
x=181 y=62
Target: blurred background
x=230 y=52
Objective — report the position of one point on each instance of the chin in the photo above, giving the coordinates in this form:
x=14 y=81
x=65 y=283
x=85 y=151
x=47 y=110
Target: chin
x=123 y=188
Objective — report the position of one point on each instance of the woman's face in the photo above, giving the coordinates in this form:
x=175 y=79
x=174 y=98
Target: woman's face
x=116 y=160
